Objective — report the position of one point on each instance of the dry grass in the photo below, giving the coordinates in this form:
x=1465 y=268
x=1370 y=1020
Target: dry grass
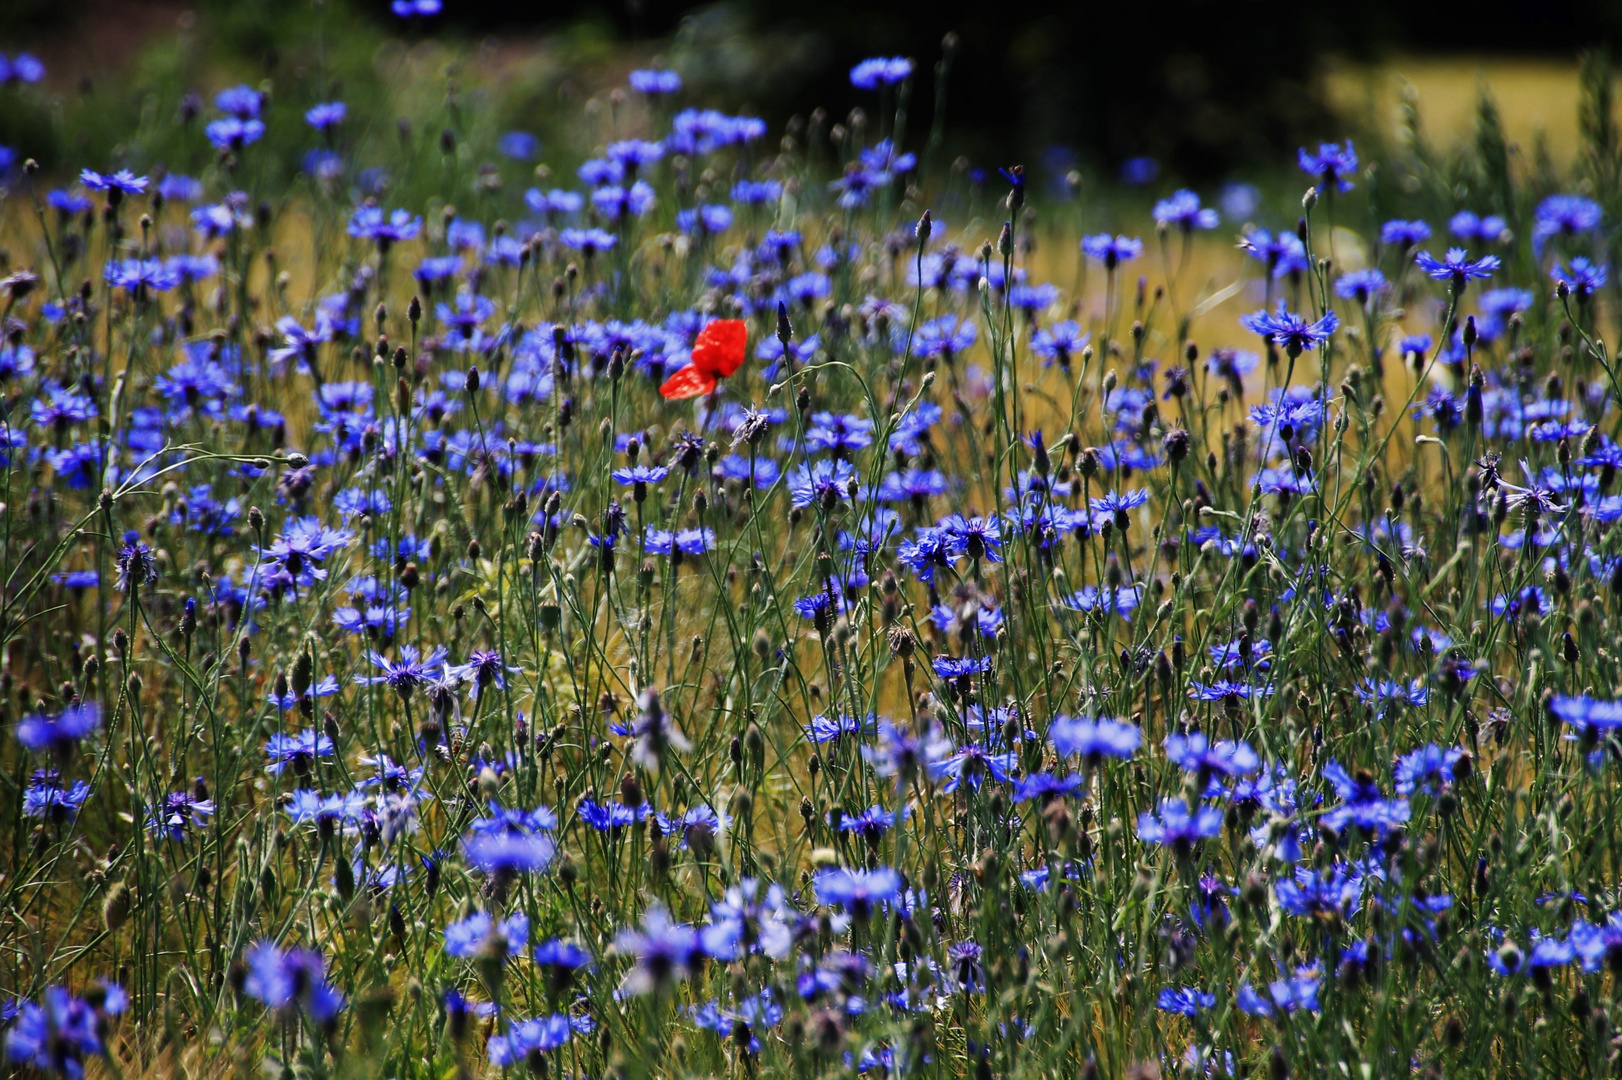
x=1537 y=98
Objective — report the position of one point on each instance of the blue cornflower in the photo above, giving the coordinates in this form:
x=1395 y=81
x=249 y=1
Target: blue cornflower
x=1120 y=504
x=1045 y=787
x=141 y=276
x=1183 y=210
x=69 y=203
x=1362 y=803
x=56 y=1037
x=1242 y=653
x=1059 y=343
x=1508 y=960
x=554 y=202
x=421 y=9
x=697 y=827
x=665 y=951
x=858 y=891
x=1291 y=331
x=1584 y=278
x=880 y=71
x=122 y=182
x=526 y=1040
x=913 y=428
x=711 y=219
x=1122 y=600
x=305 y=805
x=741 y=1024
x=1535 y=500
x=1429 y=769
x=518 y=145
x=1138 y=171
x=407 y=674
x=614 y=203
x=504 y=854
x=233 y=132
x=304 y=544
x=1187 y=1001
x=605 y=817
x=484 y=667
x=838 y=433
x=466 y=937
x=193 y=381
x=638 y=477
x=1332 y=164
x=1404 y=234
x=189 y=268
x=180 y=812
x=48 y=797
x=561 y=958
x=1564 y=215
x=952 y=667
x=466 y=314
x=1334 y=892
x=1033 y=298
x=1595 y=943
x=1470 y=227
x=435 y=269
x=820 y=607
x=1360 y=285
x=902 y=751
x=281 y=979
x=635 y=153
x=872 y=823
x=1196 y=753
x=221 y=220
x=601 y=172
x=511 y=820
x=1094 y=740
x=748 y=192
x=300 y=749
x=22 y=68
x=1586 y=714
x=1178 y=825
x=944 y=337
x=977 y=537
x=979 y=616
x=368 y=223
x=1282 y=253
x=913 y=485
x=654 y=82
x=827 y=729
x=588 y=241
x=60 y=407
x=1457 y=267
x=1385 y=694
x=59 y=734
x=1497 y=305
x=326 y=116
x=970 y=766
x=1112 y=251
x=1284 y=996
x=242 y=102
x=823 y=481
x=858 y=184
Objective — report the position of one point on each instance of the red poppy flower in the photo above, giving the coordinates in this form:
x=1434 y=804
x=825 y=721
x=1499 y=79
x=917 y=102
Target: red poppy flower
x=718 y=352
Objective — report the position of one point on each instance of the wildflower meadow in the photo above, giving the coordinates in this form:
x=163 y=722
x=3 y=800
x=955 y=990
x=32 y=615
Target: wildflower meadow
x=777 y=600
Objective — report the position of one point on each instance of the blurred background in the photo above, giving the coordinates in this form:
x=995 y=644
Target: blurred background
x=1185 y=90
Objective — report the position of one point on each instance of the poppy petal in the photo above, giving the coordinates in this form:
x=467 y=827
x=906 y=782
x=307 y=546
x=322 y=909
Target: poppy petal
x=720 y=347
x=688 y=382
